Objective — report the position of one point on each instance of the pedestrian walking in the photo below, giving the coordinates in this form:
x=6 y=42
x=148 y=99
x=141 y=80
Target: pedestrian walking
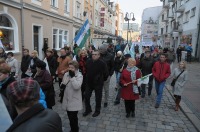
x=125 y=63
x=45 y=81
x=146 y=65
x=161 y=71
x=181 y=75
x=179 y=53
x=32 y=116
x=13 y=63
x=97 y=73
x=109 y=60
x=189 y=53
x=72 y=100
x=63 y=61
x=26 y=59
x=171 y=57
x=129 y=91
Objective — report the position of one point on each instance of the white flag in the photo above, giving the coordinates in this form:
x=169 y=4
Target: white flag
x=143 y=80
x=126 y=50
x=1 y=44
x=47 y=65
x=74 y=58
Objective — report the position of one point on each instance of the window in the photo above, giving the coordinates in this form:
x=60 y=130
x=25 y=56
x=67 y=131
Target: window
x=7 y=34
x=54 y=3
x=78 y=5
x=182 y=2
x=60 y=37
x=187 y=16
x=193 y=11
x=66 y=4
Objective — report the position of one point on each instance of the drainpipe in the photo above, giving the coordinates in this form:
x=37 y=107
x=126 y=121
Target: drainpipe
x=22 y=24
x=197 y=51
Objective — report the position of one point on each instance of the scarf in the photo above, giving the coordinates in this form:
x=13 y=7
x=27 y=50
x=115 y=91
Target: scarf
x=133 y=77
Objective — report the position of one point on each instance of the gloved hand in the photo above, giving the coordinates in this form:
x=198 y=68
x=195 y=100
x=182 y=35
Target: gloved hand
x=71 y=74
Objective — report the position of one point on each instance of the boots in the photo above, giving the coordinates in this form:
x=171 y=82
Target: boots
x=177 y=107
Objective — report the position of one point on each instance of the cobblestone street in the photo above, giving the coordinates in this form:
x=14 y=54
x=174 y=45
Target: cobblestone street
x=112 y=118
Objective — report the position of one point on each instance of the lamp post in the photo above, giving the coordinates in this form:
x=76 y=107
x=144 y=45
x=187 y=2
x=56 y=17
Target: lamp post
x=127 y=18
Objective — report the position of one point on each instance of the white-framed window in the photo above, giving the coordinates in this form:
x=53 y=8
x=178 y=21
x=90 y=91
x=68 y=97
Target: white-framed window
x=60 y=38
x=8 y=34
x=54 y=3
x=66 y=5
x=37 y=2
x=193 y=11
x=187 y=16
x=78 y=9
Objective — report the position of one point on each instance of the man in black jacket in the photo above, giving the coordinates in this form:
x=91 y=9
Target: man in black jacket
x=32 y=116
x=109 y=60
x=25 y=63
x=146 y=65
x=178 y=53
x=97 y=73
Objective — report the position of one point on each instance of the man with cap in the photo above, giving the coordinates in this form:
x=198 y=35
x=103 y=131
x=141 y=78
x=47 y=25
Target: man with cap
x=146 y=65
x=32 y=116
x=109 y=60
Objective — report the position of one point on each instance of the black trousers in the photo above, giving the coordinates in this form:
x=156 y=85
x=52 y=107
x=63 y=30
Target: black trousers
x=61 y=91
x=143 y=86
x=83 y=87
x=73 y=120
x=189 y=56
x=179 y=57
x=98 y=97
x=177 y=97
x=129 y=106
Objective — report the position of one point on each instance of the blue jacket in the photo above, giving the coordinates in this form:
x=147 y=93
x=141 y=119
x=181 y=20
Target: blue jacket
x=42 y=99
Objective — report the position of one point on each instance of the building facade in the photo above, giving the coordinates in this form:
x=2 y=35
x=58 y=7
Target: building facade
x=149 y=26
x=180 y=23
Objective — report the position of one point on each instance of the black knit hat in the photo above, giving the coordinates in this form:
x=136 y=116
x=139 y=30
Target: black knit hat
x=40 y=64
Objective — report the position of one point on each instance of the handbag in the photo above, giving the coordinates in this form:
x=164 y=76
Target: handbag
x=174 y=80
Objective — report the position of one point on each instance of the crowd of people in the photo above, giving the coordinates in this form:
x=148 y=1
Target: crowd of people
x=31 y=96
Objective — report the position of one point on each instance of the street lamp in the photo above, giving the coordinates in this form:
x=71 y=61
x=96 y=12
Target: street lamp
x=128 y=19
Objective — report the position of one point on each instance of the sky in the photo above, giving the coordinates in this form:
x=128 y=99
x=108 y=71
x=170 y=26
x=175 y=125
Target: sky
x=137 y=7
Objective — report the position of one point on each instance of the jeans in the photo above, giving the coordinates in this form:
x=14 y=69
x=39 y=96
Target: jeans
x=98 y=97
x=159 y=90
x=73 y=119
x=118 y=74
x=118 y=96
x=106 y=89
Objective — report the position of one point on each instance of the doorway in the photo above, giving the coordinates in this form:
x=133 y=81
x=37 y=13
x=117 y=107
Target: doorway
x=37 y=40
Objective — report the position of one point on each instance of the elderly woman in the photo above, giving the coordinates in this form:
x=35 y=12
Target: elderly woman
x=82 y=67
x=180 y=82
x=43 y=77
x=72 y=100
x=129 y=91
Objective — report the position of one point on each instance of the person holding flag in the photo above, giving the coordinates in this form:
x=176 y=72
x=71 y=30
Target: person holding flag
x=146 y=65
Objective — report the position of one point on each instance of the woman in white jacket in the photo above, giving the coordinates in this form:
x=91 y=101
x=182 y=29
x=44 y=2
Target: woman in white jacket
x=180 y=82
x=13 y=63
x=72 y=100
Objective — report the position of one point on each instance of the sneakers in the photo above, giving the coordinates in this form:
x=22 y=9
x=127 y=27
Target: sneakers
x=95 y=114
x=105 y=105
x=86 y=113
x=156 y=105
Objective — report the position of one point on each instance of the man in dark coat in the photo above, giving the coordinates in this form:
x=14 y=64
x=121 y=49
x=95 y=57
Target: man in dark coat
x=97 y=73
x=26 y=59
x=179 y=53
x=109 y=60
x=32 y=116
x=146 y=65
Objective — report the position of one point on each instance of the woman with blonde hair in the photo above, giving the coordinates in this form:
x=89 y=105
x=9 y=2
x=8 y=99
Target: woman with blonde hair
x=180 y=74
x=129 y=91
x=32 y=65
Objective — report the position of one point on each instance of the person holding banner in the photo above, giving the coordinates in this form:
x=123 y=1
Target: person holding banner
x=161 y=71
x=129 y=91
x=146 y=65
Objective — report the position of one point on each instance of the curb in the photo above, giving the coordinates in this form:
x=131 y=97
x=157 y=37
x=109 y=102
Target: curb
x=188 y=113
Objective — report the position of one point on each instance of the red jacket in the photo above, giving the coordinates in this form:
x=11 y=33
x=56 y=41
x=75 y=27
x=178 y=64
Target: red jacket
x=161 y=71
x=127 y=91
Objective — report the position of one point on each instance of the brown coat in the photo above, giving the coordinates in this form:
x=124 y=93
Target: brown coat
x=63 y=65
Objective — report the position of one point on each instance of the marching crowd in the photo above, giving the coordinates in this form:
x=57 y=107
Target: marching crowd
x=30 y=97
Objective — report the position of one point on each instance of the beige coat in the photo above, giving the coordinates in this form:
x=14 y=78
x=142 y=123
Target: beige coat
x=72 y=100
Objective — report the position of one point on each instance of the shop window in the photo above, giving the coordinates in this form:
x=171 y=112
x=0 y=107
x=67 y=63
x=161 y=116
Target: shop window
x=7 y=34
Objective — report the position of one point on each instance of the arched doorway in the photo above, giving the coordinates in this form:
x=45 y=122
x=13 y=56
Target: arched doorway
x=9 y=33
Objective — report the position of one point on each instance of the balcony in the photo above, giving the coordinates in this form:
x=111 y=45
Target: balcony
x=181 y=9
x=177 y=27
x=166 y=6
x=171 y=1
